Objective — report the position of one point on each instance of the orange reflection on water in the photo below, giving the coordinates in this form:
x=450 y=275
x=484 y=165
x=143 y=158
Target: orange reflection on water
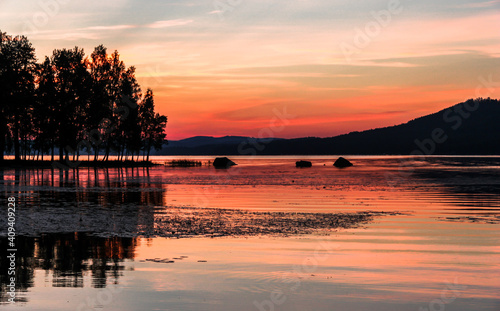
x=406 y=259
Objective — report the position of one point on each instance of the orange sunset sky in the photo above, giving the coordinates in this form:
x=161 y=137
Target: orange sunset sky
x=225 y=67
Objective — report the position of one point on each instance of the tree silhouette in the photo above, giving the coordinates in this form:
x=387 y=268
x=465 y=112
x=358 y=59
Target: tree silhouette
x=117 y=71
x=129 y=130
x=69 y=99
x=100 y=97
x=72 y=77
x=17 y=86
x=152 y=125
x=45 y=120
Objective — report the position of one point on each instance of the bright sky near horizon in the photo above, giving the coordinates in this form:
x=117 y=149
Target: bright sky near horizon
x=229 y=67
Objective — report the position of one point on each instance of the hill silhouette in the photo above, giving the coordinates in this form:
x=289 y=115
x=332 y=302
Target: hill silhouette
x=468 y=128
x=208 y=145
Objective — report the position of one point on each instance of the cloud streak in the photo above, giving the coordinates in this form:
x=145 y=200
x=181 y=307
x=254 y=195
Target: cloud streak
x=479 y=5
x=170 y=23
x=112 y=27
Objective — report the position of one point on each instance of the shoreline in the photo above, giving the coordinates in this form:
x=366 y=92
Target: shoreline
x=47 y=164
x=194 y=161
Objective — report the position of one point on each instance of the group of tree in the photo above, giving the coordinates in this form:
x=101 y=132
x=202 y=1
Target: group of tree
x=72 y=104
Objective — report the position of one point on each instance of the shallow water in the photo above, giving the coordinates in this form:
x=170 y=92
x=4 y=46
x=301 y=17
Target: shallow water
x=87 y=238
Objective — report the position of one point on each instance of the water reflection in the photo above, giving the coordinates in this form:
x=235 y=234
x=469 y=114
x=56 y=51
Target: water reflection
x=60 y=215
x=110 y=202
x=66 y=258
x=97 y=185
x=471 y=186
x=79 y=228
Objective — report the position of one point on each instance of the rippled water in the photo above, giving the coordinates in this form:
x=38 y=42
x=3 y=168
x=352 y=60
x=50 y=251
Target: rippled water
x=87 y=237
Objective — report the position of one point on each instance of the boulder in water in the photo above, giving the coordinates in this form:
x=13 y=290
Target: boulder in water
x=303 y=164
x=223 y=162
x=341 y=163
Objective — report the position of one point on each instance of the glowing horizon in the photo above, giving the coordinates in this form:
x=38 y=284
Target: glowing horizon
x=223 y=68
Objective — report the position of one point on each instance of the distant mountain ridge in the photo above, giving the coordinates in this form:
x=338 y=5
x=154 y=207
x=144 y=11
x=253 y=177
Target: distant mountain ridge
x=471 y=127
x=208 y=145
x=198 y=141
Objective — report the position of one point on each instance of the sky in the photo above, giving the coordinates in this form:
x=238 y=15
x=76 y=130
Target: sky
x=279 y=68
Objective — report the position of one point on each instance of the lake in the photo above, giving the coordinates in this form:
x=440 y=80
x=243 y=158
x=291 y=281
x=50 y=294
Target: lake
x=389 y=233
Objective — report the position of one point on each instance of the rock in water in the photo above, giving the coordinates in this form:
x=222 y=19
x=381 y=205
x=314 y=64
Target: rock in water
x=223 y=163
x=341 y=163
x=303 y=164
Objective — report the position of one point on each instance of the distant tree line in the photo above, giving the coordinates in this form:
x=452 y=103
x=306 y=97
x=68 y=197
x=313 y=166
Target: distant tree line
x=70 y=103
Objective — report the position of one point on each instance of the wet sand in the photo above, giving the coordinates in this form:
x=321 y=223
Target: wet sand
x=186 y=222
x=208 y=222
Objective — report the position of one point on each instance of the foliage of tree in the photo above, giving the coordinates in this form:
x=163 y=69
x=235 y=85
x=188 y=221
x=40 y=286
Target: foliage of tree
x=73 y=103
x=151 y=124
x=17 y=87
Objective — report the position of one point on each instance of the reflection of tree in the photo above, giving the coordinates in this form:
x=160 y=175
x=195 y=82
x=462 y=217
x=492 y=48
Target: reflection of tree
x=96 y=185
x=23 y=271
x=68 y=257
x=98 y=200
x=56 y=207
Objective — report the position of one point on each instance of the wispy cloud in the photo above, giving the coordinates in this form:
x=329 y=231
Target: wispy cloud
x=88 y=33
x=69 y=36
x=170 y=23
x=113 y=27
x=478 y=5
x=215 y=12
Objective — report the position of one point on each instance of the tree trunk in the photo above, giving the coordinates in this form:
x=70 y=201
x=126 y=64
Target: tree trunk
x=17 y=151
x=108 y=150
x=3 y=135
x=61 y=153
x=2 y=146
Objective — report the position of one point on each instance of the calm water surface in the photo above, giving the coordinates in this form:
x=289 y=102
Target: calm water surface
x=87 y=237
